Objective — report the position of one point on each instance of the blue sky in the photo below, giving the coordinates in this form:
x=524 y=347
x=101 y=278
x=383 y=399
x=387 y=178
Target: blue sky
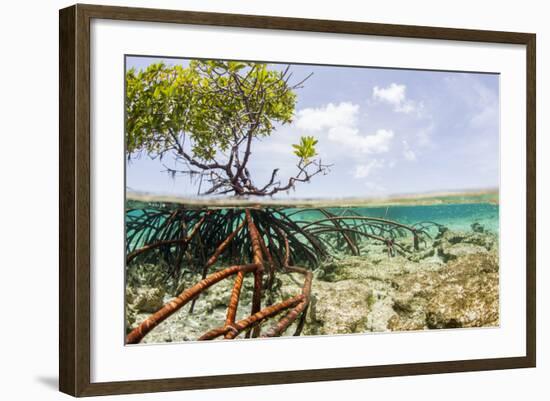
x=385 y=131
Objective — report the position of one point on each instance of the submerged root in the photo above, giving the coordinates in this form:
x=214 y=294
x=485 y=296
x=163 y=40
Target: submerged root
x=274 y=242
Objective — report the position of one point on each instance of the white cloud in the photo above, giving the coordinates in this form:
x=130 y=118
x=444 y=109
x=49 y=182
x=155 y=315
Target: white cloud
x=366 y=144
x=396 y=96
x=331 y=115
x=408 y=154
x=339 y=122
x=364 y=170
x=393 y=94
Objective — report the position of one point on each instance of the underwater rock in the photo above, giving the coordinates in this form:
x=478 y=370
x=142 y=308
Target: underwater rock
x=477 y=227
x=381 y=312
x=462 y=294
x=361 y=268
x=410 y=313
x=410 y=298
x=469 y=297
x=334 y=310
x=459 y=250
x=450 y=282
x=147 y=299
x=451 y=238
x=422 y=254
x=339 y=270
x=130 y=317
x=453 y=244
x=424 y=290
x=486 y=240
x=359 y=294
x=149 y=275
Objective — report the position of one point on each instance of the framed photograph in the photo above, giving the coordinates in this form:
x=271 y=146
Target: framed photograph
x=250 y=200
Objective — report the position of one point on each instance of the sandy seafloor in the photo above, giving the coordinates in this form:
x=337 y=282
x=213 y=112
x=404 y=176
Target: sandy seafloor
x=451 y=282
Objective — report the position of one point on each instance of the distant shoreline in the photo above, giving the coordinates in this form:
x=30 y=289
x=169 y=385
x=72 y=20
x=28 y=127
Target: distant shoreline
x=479 y=196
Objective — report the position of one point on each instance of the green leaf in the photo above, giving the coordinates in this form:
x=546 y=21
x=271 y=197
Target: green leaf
x=305 y=150
x=199 y=100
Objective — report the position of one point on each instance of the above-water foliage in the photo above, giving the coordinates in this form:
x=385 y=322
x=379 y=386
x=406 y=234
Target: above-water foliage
x=208 y=116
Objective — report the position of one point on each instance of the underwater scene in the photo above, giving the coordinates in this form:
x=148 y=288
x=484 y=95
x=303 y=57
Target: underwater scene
x=326 y=270
x=287 y=200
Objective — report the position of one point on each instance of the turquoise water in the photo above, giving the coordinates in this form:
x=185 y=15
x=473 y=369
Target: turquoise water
x=347 y=254
x=455 y=216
